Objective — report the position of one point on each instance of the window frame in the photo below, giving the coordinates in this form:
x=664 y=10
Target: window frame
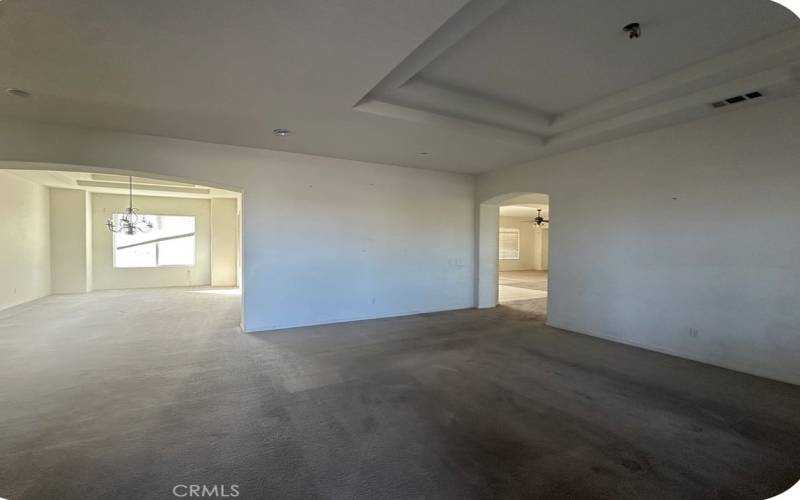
x=508 y=230
x=157 y=266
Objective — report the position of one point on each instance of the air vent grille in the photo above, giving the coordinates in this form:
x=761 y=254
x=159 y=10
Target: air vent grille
x=737 y=99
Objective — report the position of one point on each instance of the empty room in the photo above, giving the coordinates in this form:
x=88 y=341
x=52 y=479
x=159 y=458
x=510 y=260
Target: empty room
x=441 y=249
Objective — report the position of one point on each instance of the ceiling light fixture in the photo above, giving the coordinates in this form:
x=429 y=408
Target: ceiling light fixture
x=539 y=221
x=17 y=92
x=424 y=153
x=130 y=222
x=281 y=132
x=634 y=30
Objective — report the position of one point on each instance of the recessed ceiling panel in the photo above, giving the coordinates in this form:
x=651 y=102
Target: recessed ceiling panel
x=558 y=55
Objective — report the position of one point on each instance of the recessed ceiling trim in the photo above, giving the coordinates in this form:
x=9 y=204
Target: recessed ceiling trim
x=59 y=177
x=769 y=53
x=454 y=29
x=700 y=99
x=454 y=101
x=407 y=113
x=143 y=187
x=678 y=96
x=138 y=180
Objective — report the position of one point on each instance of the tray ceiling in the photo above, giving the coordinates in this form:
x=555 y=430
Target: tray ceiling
x=558 y=55
x=457 y=85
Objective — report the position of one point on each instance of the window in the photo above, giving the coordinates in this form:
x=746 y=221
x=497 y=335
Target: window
x=169 y=243
x=509 y=243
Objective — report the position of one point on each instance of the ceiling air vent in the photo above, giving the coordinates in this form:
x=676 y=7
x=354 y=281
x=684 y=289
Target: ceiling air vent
x=737 y=99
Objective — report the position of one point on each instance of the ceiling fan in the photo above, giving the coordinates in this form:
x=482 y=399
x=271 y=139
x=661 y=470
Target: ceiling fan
x=538 y=221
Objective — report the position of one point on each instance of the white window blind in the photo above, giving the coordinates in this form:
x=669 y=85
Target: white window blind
x=509 y=243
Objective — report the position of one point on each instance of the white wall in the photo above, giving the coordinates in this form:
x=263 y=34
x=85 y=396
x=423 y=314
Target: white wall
x=25 y=252
x=323 y=239
x=545 y=248
x=328 y=240
x=68 y=236
x=106 y=276
x=487 y=220
x=532 y=246
x=90 y=230
x=224 y=248
x=684 y=240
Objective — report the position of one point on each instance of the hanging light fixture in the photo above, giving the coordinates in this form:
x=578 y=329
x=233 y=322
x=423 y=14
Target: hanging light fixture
x=130 y=222
x=539 y=221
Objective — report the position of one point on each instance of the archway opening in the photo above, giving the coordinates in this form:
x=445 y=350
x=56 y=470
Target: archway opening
x=523 y=253
x=183 y=249
x=514 y=252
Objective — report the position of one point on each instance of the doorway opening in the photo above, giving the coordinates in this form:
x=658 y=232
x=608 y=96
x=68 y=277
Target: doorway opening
x=523 y=253
x=514 y=253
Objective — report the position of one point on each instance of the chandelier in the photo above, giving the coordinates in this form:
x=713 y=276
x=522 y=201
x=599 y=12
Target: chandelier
x=130 y=222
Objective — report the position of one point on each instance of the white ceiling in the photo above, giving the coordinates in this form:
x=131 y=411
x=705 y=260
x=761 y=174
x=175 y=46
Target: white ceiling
x=558 y=55
x=527 y=210
x=333 y=71
x=116 y=184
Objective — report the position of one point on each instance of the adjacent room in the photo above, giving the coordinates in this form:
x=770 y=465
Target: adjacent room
x=428 y=249
x=523 y=253
x=91 y=239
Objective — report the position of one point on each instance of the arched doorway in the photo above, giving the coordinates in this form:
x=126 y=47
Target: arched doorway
x=513 y=252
